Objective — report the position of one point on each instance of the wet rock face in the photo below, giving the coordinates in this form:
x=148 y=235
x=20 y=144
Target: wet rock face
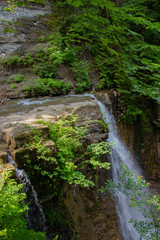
x=93 y=216
x=144 y=145
x=150 y=154
x=32 y=26
x=4 y=165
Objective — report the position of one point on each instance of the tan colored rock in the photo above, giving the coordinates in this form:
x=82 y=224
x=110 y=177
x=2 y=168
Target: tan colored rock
x=50 y=146
x=18 y=134
x=107 y=99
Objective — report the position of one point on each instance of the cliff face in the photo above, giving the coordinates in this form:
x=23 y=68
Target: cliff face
x=93 y=214
x=143 y=141
x=144 y=144
x=32 y=25
x=86 y=211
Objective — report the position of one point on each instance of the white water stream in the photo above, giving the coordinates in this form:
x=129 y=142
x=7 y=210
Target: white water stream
x=120 y=154
x=35 y=216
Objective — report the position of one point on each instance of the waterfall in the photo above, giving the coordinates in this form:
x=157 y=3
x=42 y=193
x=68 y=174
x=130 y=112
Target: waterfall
x=120 y=154
x=35 y=216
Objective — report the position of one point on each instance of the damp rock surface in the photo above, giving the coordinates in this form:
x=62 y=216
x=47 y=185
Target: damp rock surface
x=94 y=215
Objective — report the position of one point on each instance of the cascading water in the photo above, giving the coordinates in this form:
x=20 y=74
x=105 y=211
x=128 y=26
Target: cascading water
x=35 y=216
x=120 y=154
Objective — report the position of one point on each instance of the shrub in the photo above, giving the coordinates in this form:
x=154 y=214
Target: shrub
x=67 y=163
x=47 y=86
x=137 y=190
x=27 y=59
x=12 y=86
x=16 y=78
x=13 y=225
x=45 y=69
x=14 y=61
x=69 y=56
x=80 y=70
x=11 y=61
x=42 y=39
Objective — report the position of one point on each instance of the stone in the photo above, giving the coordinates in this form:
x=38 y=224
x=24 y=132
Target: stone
x=94 y=138
x=94 y=215
x=107 y=99
x=49 y=144
x=3 y=157
x=18 y=134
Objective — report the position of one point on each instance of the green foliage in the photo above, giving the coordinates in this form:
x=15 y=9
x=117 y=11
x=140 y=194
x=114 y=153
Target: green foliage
x=95 y=150
x=45 y=70
x=11 y=6
x=70 y=154
x=13 y=3
x=13 y=61
x=147 y=203
x=27 y=60
x=80 y=70
x=48 y=60
x=13 y=225
x=58 y=53
x=47 y=86
x=8 y=30
x=13 y=85
x=103 y=125
x=16 y=78
x=124 y=42
x=121 y=43
x=42 y=39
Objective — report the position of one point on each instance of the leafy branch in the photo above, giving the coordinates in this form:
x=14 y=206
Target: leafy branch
x=139 y=195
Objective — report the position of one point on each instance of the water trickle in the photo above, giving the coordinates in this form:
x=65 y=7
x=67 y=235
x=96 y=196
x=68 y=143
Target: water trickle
x=120 y=154
x=35 y=216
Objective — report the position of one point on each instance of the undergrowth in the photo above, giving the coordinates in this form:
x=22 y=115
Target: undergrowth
x=69 y=157
x=47 y=86
x=120 y=43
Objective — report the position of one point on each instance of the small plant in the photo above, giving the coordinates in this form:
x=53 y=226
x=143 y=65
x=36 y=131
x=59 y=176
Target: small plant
x=27 y=59
x=147 y=203
x=42 y=39
x=13 y=85
x=69 y=56
x=45 y=69
x=14 y=61
x=11 y=61
x=47 y=86
x=103 y=126
x=16 y=78
x=13 y=224
x=80 y=70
